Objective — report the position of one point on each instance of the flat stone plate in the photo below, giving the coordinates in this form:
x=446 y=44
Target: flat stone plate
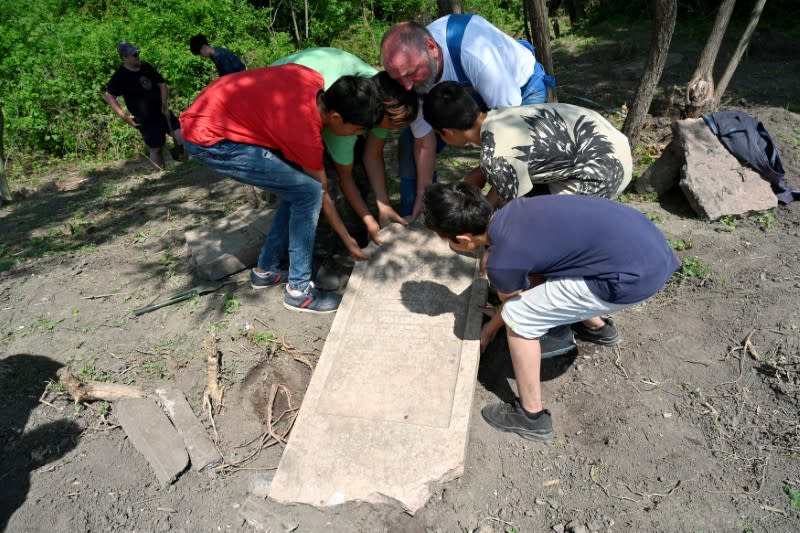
x=387 y=411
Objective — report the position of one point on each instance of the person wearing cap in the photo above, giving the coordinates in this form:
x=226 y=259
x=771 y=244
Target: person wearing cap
x=225 y=60
x=146 y=97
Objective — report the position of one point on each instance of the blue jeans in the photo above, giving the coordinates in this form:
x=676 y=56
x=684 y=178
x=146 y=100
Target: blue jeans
x=533 y=92
x=295 y=222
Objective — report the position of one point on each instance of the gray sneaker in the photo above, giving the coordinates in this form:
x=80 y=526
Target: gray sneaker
x=268 y=279
x=511 y=418
x=312 y=300
x=605 y=336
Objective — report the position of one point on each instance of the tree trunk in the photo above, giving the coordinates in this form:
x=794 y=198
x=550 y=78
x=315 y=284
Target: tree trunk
x=700 y=89
x=294 y=23
x=541 y=38
x=737 y=55
x=447 y=7
x=526 y=21
x=305 y=12
x=5 y=190
x=663 y=27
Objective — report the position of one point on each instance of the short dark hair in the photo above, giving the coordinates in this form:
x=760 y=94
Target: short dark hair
x=399 y=104
x=456 y=208
x=197 y=42
x=356 y=99
x=448 y=105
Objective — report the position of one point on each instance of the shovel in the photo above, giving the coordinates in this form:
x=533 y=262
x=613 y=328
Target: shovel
x=188 y=294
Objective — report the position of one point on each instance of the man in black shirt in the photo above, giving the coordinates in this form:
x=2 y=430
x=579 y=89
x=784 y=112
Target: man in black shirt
x=147 y=98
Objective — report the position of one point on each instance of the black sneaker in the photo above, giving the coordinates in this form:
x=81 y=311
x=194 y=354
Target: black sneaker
x=178 y=153
x=558 y=341
x=312 y=300
x=606 y=336
x=511 y=418
x=263 y=280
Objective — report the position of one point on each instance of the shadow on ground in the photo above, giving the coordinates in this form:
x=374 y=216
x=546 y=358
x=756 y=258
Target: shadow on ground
x=24 y=377
x=495 y=368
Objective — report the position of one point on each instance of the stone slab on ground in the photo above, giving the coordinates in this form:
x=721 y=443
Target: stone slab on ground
x=230 y=244
x=152 y=434
x=258 y=515
x=713 y=180
x=386 y=414
x=202 y=451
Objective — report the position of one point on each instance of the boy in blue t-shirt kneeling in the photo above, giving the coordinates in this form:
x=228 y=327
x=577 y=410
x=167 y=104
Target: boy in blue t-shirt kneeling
x=595 y=256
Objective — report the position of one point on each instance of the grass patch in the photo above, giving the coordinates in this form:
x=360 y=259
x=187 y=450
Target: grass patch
x=680 y=244
x=729 y=221
x=794 y=495
x=765 y=221
x=628 y=197
x=157 y=368
x=232 y=306
x=654 y=218
x=645 y=155
x=170 y=262
x=692 y=268
x=262 y=338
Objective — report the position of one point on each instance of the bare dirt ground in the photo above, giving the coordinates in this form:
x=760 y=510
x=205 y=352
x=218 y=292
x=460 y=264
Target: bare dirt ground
x=691 y=425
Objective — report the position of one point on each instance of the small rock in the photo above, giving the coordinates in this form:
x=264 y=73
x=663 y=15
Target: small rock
x=574 y=526
x=595 y=525
x=539 y=501
x=552 y=503
x=558 y=528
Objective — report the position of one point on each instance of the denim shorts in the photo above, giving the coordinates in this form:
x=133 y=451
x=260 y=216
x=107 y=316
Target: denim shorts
x=557 y=301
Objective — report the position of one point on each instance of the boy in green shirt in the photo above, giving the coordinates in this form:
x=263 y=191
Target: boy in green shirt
x=400 y=109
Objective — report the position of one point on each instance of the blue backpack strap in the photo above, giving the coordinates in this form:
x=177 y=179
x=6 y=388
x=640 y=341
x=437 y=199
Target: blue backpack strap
x=456 y=24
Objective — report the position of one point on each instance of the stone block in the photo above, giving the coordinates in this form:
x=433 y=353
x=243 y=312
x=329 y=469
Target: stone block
x=202 y=451
x=152 y=434
x=230 y=244
x=385 y=417
x=712 y=179
x=258 y=514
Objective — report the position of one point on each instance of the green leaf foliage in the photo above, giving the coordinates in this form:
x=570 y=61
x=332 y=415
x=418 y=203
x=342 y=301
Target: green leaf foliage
x=56 y=57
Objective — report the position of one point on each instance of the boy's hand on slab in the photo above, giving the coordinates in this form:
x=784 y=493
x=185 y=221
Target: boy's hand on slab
x=388 y=215
x=355 y=251
x=373 y=228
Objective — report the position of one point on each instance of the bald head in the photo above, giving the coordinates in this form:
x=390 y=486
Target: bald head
x=403 y=36
x=411 y=56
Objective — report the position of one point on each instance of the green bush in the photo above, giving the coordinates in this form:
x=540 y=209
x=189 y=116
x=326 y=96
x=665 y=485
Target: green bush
x=56 y=57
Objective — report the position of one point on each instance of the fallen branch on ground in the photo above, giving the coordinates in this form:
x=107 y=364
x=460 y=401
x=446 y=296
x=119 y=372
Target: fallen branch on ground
x=97 y=390
x=214 y=392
